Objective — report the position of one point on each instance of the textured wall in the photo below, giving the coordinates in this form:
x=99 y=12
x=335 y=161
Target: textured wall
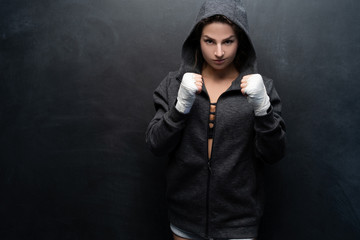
x=76 y=82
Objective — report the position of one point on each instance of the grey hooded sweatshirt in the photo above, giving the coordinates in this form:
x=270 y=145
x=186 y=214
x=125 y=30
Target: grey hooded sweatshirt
x=220 y=197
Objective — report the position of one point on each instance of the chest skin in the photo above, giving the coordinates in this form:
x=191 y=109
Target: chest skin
x=214 y=90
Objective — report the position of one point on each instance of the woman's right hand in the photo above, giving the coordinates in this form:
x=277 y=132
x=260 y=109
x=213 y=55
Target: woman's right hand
x=190 y=85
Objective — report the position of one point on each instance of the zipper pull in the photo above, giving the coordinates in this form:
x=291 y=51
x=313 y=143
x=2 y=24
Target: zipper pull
x=209 y=166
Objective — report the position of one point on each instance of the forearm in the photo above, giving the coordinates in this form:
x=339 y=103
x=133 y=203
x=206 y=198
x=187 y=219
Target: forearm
x=164 y=131
x=270 y=140
x=270 y=130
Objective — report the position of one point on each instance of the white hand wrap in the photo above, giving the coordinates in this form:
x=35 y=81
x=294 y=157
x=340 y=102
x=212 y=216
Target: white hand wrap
x=186 y=94
x=257 y=95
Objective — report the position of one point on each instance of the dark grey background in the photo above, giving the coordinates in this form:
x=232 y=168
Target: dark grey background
x=76 y=83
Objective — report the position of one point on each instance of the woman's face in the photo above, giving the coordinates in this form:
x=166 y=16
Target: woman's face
x=219 y=45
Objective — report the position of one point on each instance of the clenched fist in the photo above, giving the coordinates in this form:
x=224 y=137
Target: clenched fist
x=253 y=87
x=191 y=84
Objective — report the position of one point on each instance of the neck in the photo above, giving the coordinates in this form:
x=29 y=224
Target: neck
x=226 y=73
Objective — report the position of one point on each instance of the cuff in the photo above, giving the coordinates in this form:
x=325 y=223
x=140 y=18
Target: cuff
x=266 y=122
x=176 y=116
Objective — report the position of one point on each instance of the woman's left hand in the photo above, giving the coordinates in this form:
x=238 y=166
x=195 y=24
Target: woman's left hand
x=253 y=87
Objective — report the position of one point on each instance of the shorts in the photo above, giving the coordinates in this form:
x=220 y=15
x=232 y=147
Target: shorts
x=193 y=236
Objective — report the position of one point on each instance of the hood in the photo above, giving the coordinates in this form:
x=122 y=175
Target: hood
x=234 y=10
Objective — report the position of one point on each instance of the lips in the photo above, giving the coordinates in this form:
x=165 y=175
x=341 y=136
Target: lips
x=219 y=61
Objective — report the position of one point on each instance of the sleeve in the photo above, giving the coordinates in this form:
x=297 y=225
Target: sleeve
x=270 y=129
x=164 y=130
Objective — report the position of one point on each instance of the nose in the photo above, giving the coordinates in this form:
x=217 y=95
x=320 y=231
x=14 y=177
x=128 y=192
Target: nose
x=219 y=53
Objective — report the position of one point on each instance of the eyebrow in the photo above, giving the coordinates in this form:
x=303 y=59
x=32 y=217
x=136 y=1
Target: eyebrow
x=232 y=36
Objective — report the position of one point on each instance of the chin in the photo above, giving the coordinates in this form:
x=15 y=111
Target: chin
x=218 y=67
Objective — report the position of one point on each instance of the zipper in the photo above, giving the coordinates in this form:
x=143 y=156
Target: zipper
x=208 y=204
x=210 y=172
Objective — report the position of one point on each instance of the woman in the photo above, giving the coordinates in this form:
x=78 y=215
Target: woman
x=219 y=122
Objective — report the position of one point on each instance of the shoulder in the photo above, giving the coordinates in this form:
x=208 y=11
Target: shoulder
x=267 y=80
x=169 y=86
x=170 y=80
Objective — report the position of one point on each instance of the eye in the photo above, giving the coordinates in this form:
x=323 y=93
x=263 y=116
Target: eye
x=208 y=41
x=228 y=42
